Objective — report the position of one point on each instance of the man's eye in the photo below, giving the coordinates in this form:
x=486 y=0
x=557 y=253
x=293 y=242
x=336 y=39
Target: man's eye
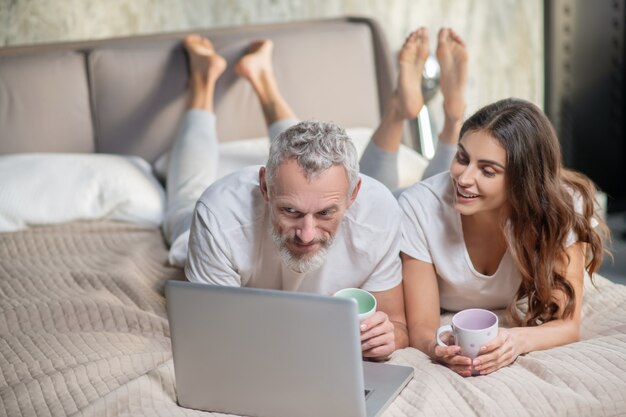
x=291 y=212
x=327 y=214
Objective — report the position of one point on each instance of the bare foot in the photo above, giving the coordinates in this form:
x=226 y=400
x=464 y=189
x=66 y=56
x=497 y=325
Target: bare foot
x=412 y=57
x=452 y=57
x=256 y=64
x=205 y=67
x=256 y=67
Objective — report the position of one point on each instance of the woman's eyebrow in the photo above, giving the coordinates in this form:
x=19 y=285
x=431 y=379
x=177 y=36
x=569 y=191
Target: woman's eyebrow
x=484 y=161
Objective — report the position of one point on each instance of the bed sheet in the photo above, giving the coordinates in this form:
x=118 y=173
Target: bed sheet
x=83 y=331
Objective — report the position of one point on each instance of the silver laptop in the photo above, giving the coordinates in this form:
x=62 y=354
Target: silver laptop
x=273 y=353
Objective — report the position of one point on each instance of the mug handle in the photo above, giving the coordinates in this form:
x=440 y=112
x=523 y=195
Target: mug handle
x=440 y=330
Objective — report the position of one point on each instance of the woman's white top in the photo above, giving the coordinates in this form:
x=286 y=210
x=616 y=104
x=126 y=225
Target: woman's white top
x=432 y=232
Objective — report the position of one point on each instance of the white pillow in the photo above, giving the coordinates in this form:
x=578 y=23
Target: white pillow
x=38 y=189
x=234 y=155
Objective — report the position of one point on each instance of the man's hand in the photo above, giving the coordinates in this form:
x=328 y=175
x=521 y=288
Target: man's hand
x=377 y=337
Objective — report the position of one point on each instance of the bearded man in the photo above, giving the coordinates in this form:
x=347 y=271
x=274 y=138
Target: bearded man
x=296 y=224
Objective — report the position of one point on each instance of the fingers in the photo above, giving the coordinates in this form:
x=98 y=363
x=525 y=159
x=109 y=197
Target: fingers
x=375 y=325
x=444 y=351
x=495 y=343
x=377 y=337
x=451 y=355
x=378 y=348
x=448 y=339
x=500 y=352
x=485 y=368
x=452 y=358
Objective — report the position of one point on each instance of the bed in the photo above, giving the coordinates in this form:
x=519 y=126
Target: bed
x=83 y=323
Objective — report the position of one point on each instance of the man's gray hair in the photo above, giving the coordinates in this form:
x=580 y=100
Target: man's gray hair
x=316 y=146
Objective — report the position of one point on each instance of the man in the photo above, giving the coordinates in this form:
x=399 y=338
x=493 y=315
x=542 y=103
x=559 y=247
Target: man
x=297 y=224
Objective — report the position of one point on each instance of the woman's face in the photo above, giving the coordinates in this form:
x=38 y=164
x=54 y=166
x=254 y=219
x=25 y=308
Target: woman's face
x=478 y=174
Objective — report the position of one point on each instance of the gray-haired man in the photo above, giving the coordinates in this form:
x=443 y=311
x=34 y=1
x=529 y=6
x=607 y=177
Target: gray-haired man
x=297 y=224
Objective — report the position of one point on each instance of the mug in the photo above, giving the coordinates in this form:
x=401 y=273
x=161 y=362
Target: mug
x=366 y=302
x=472 y=328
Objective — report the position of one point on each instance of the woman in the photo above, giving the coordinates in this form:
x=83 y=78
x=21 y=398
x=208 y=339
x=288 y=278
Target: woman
x=508 y=224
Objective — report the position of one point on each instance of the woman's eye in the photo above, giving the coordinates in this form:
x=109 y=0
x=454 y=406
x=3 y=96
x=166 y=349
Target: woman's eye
x=488 y=173
x=460 y=158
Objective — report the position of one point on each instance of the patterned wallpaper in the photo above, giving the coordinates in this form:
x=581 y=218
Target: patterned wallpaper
x=504 y=37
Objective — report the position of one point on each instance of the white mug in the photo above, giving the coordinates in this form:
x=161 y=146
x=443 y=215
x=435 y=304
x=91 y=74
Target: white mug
x=366 y=302
x=472 y=328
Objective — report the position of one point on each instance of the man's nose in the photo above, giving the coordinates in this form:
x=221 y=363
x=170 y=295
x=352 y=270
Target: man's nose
x=306 y=229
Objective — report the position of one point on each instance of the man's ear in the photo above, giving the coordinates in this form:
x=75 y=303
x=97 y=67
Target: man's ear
x=263 y=185
x=355 y=192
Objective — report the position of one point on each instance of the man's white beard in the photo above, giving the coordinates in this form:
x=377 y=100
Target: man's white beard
x=293 y=262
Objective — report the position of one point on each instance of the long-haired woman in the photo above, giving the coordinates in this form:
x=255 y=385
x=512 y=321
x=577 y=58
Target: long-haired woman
x=507 y=227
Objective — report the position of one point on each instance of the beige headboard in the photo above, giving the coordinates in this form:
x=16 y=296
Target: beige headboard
x=127 y=95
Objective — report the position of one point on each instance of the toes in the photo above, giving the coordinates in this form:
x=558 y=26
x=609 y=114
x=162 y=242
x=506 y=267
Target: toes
x=420 y=35
x=456 y=38
x=207 y=44
x=447 y=35
x=191 y=40
x=198 y=44
x=443 y=34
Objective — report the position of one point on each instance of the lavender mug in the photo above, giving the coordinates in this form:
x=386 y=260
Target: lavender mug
x=471 y=328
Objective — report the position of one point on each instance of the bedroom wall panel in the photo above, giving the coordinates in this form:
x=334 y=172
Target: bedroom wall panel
x=32 y=90
x=505 y=38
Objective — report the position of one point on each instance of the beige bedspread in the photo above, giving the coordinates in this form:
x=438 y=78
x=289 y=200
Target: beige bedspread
x=83 y=331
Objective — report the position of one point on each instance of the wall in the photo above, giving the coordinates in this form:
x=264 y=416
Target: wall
x=504 y=37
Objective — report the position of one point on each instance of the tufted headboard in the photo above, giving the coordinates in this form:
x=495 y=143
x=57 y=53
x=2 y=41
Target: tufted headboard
x=126 y=95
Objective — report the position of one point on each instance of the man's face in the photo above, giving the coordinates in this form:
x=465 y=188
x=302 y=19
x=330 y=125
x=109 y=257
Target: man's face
x=305 y=215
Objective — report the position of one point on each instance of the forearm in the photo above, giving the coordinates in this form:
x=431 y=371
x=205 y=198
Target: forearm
x=561 y=331
x=422 y=337
x=401 y=334
x=548 y=335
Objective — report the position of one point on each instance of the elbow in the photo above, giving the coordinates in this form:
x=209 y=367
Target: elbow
x=575 y=333
x=401 y=336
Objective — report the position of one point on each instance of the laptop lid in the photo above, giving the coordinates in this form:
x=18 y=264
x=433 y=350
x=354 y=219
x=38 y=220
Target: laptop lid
x=264 y=352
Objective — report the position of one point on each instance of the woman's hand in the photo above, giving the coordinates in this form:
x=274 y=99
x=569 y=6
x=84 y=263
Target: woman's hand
x=452 y=358
x=499 y=352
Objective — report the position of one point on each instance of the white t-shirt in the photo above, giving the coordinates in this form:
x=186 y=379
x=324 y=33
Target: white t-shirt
x=432 y=232
x=230 y=243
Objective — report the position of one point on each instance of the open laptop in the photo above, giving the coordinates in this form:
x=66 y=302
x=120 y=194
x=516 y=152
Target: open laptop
x=273 y=353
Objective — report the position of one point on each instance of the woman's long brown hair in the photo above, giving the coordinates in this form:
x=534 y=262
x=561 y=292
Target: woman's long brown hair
x=542 y=209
